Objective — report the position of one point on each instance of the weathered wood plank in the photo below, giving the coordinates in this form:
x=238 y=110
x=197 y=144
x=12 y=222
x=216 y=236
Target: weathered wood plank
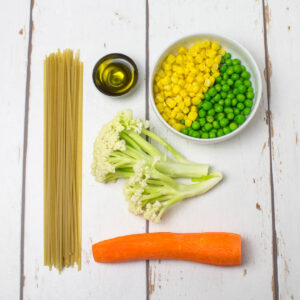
x=14 y=32
x=283 y=32
x=96 y=28
x=241 y=203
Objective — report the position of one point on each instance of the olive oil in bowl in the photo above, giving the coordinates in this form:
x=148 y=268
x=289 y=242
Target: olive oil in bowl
x=115 y=74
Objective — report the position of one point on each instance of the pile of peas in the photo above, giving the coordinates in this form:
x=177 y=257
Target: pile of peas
x=226 y=104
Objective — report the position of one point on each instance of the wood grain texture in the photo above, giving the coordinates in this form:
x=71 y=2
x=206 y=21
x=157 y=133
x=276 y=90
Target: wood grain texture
x=14 y=31
x=241 y=203
x=96 y=28
x=283 y=36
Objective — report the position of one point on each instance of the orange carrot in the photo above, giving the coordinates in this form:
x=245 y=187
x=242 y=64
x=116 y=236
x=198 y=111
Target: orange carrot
x=214 y=248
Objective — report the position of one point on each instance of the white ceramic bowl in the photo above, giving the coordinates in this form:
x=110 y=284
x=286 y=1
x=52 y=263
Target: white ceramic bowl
x=237 y=51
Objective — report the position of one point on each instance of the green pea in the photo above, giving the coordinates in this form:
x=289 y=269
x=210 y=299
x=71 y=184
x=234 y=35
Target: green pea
x=230 y=95
x=237 y=69
x=208 y=126
x=227 y=102
x=217 y=98
x=202 y=121
x=240 y=119
x=220 y=116
x=226 y=130
x=230 y=71
x=235 y=76
x=227 y=55
x=221 y=102
x=223 y=82
x=228 y=62
x=236 y=111
x=182 y=122
x=218 y=108
x=207 y=105
x=230 y=116
x=245 y=75
x=242 y=89
x=250 y=95
x=203 y=129
x=215 y=124
x=240 y=97
x=236 y=61
x=225 y=88
x=248 y=103
x=212 y=135
x=238 y=82
x=243 y=68
x=209 y=119
x=228 y=110
x=223 y=68
x=195 y=125
x=218 y=87
x=240 y=106
x=196 y=134
x=250 y=90
x=224 y=122
x=211 y=112
x=212 y=92
x=234 y=102
x=247 y=83
x=220 y=132
x=233 y=126
x=190 y=132
x=225 y=76
x=235 y=91
x=185 y=131
x=204 y=135
x=223 y=95
x=230 y=82
x=207 y=97
x=246 y=111
x=202 y=113
x=218 y=79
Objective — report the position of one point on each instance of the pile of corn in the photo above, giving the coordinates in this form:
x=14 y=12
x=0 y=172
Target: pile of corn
x=183 y=79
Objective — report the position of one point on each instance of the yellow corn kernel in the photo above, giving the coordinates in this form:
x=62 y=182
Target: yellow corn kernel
x=173 y=114
x=185 y=110
x=216 y=74
x=195 y=88
x=169 y=73
x=207 y=82
x=206 y=75
x=181 y=105
x=215 y=46
x=182 y=50
x=218 y=59
x=157 y=78
x=167 y=87
x=196 y=100
x=160 y=107
x=209 y=62
x=165 y=116
x=159 y=98
x=178 y=99
x=188 y=122
x=204 y=89
x=180 y=70
x=215 y=67
x=171 y=121
x=190 y=78
x=170 y=102
x=200 y=95
x=181 y=82
x=183 y=93
x=191 y=94
x=171 y=58
x=168 y=94
x=202 y=67
x=221 y=52
x=166 y=66
x=211 y=53
x=176 y=89
x=206 y=44
x=193 y=115
x=179 y=116
x=199 y=78
x=174 y=79
x=187 y=101
x=167 y=110
x=199 y=58
x=161 y=73
x=212 y=79
x=178 y=126
x=179 y=59
x=166 y=80
x=193 y=108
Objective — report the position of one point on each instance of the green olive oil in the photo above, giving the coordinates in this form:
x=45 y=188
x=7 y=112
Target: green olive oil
x=115 y=74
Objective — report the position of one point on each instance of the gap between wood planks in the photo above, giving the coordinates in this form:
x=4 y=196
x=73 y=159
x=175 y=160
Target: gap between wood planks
x=25 y=140
x=266 y=20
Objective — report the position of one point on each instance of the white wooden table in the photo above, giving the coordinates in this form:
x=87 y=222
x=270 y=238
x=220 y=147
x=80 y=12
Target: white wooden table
x=258 y=199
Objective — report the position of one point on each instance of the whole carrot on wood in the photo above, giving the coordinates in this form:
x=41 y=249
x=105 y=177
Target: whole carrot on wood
x=214 y=248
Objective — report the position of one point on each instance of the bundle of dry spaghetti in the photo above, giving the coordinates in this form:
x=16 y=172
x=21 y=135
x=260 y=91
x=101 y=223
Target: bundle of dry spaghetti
x=63 y=79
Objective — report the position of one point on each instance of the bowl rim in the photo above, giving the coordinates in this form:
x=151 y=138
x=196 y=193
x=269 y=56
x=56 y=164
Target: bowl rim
x=123 y=56
x=259 y=87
